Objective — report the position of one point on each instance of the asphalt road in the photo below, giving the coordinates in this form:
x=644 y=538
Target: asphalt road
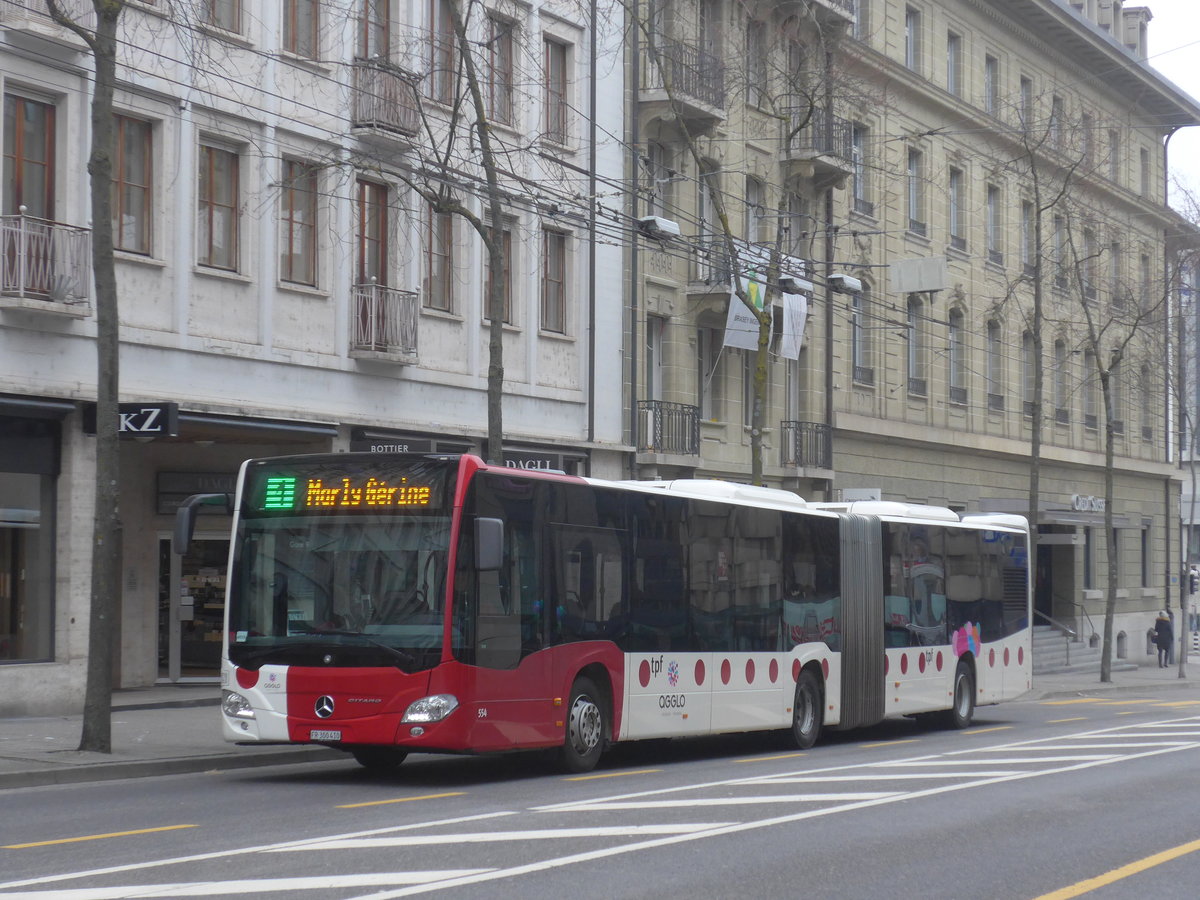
x=1036 y=798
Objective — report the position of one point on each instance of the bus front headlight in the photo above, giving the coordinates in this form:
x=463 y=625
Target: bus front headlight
x=431 y=709
x=235 y=705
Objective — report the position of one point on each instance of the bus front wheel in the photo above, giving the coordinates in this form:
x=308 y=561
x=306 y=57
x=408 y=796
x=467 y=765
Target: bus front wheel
x=807 y=711
x=379 y=759
x=587 y=727
x=963 y=711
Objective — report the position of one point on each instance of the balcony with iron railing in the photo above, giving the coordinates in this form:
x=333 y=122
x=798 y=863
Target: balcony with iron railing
x=28 y=22
x=384 y=323
x=45 y=266
x=834 y=11
x=711 y=268
x=384 y=101
x=668 y=428
x=681 y=80
x=805 y=445
x=818 y=144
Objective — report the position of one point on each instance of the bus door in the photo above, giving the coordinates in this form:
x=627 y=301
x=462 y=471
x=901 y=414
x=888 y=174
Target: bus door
x=511 y=683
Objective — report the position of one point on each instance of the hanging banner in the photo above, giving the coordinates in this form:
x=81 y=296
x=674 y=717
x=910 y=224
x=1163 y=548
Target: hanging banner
x=741 y=326
x=795 y=317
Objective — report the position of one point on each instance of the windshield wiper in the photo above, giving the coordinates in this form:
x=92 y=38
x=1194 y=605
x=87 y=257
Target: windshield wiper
x=405 y=662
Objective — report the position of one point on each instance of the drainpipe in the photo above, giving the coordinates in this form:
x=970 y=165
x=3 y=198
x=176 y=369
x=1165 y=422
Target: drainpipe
x=591 y=366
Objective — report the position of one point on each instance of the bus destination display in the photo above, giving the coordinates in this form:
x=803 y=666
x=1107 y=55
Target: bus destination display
x=294 y=492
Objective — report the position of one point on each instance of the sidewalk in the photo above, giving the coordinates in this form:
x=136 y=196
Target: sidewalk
x=172 y=729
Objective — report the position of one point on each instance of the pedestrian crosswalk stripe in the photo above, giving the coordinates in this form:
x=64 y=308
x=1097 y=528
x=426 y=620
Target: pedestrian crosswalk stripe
x=489 y=837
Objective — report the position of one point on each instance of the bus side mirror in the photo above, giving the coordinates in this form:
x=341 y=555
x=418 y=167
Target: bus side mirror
x=185 y=518
x=489 y=544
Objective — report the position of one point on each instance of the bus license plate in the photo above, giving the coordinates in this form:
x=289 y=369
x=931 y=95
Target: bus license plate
x=324 y=735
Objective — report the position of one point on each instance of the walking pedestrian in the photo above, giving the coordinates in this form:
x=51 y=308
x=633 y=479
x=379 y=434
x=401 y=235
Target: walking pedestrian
x=1164 y=634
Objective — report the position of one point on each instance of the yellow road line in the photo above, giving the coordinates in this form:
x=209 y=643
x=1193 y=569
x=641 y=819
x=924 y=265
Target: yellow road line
x=889 y=743
x=1070 y=702
x=986 y=730
x=1060 y=721
x=612 y=774
x=1133 y=868
x=1128 y=702
x=400 y=800
x=1180 y=703
x=769 y=758
x=95 y=837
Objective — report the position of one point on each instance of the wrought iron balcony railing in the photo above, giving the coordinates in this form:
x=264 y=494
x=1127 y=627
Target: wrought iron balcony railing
x=44 y=260
x=806 y=444
x=385 y=98
x=668 y=428
x=822 y=135
x=385 y=321
x=685 y=71
x=711 y=263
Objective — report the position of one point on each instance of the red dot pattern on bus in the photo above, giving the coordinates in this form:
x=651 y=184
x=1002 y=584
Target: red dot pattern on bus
x=644 y=672
x=773 y=671
x=247 y=678
x=726 y=671
x=699 y=672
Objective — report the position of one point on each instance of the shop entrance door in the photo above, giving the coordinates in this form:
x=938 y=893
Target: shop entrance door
x=191 y=609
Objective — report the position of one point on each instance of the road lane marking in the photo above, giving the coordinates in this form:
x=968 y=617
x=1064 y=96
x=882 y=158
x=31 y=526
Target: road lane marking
x=95 y=837
x=888 y=743
x=1007 y=761
x=241 y=851
x=400 y=800
x=898 y=776
x=768 y=758
x=1115 y=875
x=497 y=837
x=854 y=797
x=1072 y=702
x=250 y=885
x=975 y=731
x=1060 y=721
x=612 y=774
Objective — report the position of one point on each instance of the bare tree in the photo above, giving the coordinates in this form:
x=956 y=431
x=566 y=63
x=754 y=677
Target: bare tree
x=101 y=40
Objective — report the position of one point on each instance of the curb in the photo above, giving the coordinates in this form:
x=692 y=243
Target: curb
x=144 y=768
x=1101 y=689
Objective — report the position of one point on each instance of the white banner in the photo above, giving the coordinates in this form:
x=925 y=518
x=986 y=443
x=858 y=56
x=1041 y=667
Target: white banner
x=795 y=317
x=741 y=326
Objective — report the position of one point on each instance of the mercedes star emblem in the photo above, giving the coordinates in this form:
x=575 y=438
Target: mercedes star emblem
x=323 y=707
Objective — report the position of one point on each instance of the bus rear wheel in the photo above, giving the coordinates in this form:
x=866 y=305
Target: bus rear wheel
x=587 y=728
x=379 y=759
x=807 y=710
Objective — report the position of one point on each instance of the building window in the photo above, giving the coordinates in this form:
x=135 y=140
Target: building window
x=1087 y=265
x=1090 y=414
x=862 y=20
x=1146 y=403
x=708 y=372
x=864 y=372
x=1144 y=288
x=1114 y=155
x=912 y=38
x=1116 y=288
x=371 y=229
x=298 y=223
x=954 y=57
x=1144 y=553
x=859 y=187
x=1025 y=99
x=373 y=28
x=224 y=14
x=1059 y=250
x=300 y=27
x=1086 y=140
x=505 y=277
x=749 y=364
x=995 y=366
x=218 y=208
x=659 y=179
x=756 y=64
x=29 y=463
x=916 y=194
x=1055 y=131
x=655 y=327
x=1061 y=391
x=557 y=88
x=755 y=211
x=798 y=224
x=28 y=157
x=1028 y=373
x=1144 y=172
x=132 y=185
x=439 y=261
x=1116 y=395
x=500 y=75
x=554 y=281
x=1028 y=237
x=957 y=358
x=440 y=84
x=991 y=84
x=995 y=226
x=917 y=382
x=1089 y=559
x=958 y=238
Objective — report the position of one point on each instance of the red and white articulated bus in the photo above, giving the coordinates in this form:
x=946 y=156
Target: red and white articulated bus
x=390 y=604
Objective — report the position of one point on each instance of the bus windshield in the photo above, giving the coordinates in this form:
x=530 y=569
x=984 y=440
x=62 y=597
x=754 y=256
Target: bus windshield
x=319 y=579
